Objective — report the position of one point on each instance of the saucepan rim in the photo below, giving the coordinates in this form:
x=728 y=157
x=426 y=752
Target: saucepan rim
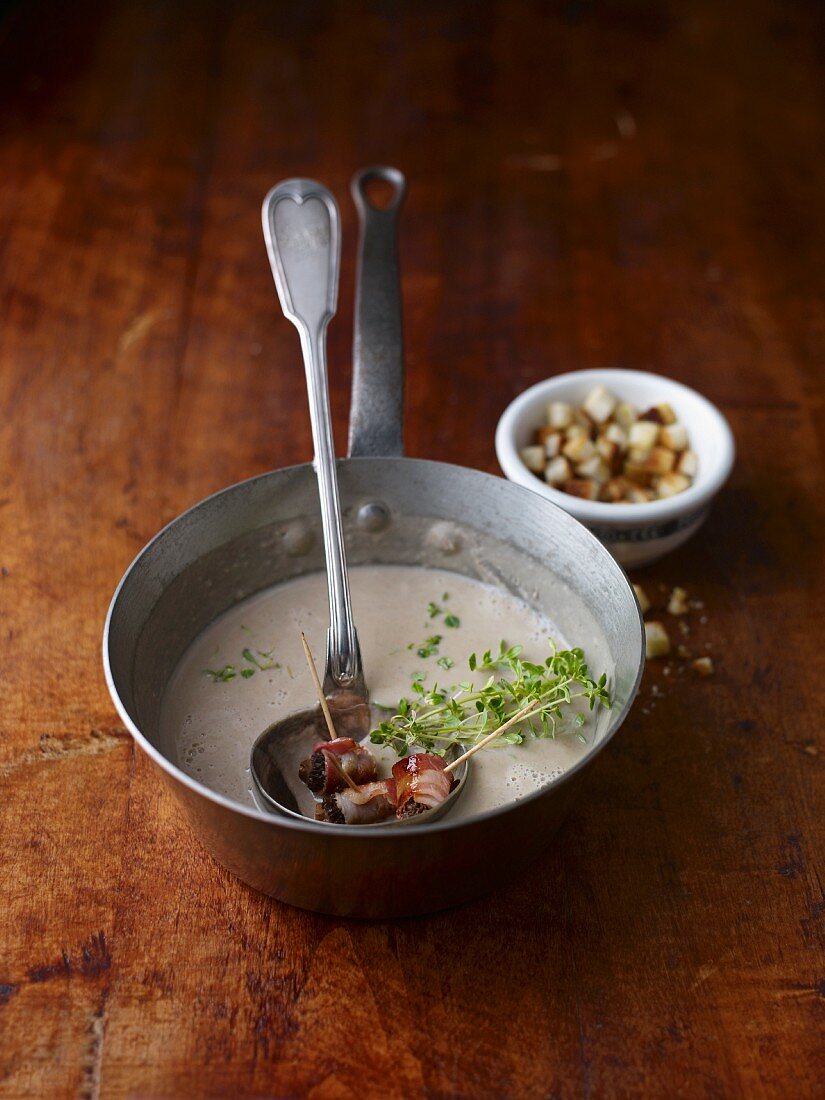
x=377 y=832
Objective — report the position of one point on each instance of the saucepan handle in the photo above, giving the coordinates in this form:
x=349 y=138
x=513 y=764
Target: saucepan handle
x=377 y=408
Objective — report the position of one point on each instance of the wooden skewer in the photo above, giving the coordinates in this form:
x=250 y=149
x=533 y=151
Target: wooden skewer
x=517 y=717
x=322 y=699
x=353 y=786
x=319 y=691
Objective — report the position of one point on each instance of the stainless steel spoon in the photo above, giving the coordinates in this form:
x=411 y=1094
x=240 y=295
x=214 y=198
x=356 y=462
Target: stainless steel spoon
x=303 y=240
x=301 y=229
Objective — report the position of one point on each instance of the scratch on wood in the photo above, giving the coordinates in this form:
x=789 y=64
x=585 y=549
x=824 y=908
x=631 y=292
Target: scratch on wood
x=702 y=976
x=95 y=957
x=794 y=864
x=138 y=329
x=276 y=997
x=53 y=747
x=93 y=1054
x=804 y=989
x=52 y=970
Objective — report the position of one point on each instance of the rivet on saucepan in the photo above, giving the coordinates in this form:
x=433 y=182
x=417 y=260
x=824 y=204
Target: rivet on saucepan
x=298 y=538
x=373 y=516
x=444 y=537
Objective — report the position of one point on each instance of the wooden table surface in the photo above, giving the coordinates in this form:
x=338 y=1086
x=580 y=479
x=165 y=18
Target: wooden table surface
x=591 y=184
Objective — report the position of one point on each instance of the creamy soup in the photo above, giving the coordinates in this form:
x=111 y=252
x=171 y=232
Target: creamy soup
x=247 y=670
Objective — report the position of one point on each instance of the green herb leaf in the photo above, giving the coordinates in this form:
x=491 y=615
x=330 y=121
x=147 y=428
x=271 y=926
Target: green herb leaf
x=437 y=719
x=222 y=675
x=452 y=620
x=430 y=647
x=255 y=659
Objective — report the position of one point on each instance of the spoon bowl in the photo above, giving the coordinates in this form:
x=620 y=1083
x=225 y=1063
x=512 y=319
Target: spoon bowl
x=292 y=739
x=278 y=751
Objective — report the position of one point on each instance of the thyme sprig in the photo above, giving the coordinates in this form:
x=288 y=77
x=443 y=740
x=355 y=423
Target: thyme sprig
x=439 y=718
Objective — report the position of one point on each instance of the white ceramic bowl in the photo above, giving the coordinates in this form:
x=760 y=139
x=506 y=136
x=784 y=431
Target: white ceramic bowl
x=634 y=533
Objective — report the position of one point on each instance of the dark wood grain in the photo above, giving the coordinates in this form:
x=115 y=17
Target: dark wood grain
x=592 y=184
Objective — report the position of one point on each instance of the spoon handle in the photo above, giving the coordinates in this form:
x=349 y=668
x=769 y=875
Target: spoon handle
x=303 y=240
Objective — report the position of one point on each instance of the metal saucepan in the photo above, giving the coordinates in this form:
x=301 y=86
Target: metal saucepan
x=396 y=511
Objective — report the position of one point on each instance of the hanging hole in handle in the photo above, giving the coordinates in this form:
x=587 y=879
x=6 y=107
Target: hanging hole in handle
x=379 y=193
x=381 y=189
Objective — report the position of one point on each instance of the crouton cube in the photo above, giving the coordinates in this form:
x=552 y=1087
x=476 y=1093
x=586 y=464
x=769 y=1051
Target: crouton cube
x=615 y=433
x=559 y=414
x=552 y=444
x=703 y=666
x=641 y=596
x=671 y=484
x=549 y=440
x=660 y=461
x=677 y=604
x=576 y=431
x=578 y=449
x=615 y=489
x=610 y=452
x=594 y=467
x=673 y=436
x=638 y=494
x=636 y=455
x=582 y=487
x=557 y=470
x=625 y=415
x=659 y=414
x=688 y=464
x=638 y=473
x=599 y=404
x=533 y=458
x=657 y=640
x=643 y=435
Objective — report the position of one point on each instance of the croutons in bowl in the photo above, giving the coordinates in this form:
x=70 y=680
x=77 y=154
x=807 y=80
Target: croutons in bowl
x=636 y=457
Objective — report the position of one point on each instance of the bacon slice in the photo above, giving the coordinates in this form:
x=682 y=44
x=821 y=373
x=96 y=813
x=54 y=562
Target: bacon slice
x=322 y=770
x=372 y=802
x=421 y=783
